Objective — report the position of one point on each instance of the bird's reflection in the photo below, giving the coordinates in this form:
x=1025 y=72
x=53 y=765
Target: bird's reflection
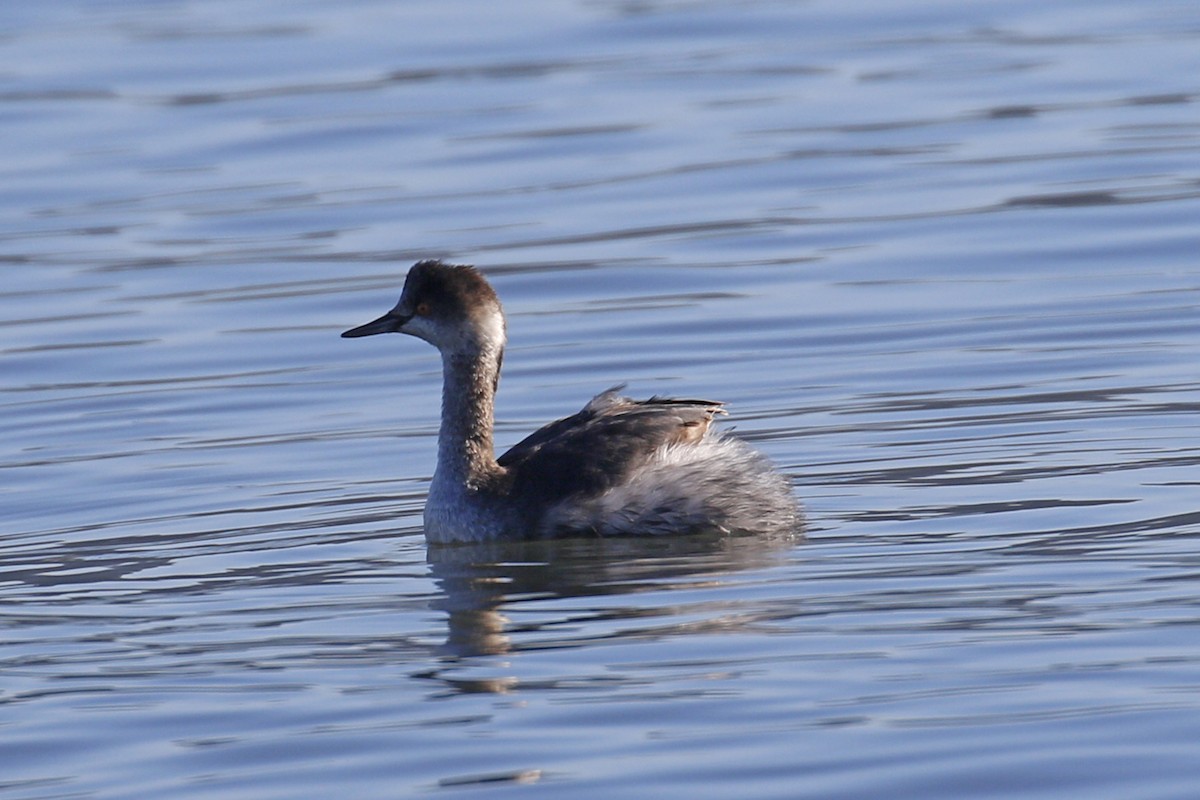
x=479 y=581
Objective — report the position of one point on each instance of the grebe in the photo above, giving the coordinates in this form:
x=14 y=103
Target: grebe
x=618 y=467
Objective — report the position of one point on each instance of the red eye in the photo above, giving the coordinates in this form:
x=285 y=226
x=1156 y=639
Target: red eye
x=422 y=309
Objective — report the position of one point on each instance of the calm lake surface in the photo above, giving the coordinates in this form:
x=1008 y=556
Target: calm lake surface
x=942 y=260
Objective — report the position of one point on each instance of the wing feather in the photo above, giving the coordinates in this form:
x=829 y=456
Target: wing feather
x=589 y=452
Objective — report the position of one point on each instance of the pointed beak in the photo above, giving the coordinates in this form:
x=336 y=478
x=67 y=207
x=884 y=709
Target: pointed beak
x=390 y=322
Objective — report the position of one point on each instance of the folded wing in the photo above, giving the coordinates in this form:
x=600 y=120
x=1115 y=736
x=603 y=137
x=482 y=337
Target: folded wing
x=589 y=452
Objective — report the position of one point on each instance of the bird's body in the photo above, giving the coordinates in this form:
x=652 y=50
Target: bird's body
x=617 y=467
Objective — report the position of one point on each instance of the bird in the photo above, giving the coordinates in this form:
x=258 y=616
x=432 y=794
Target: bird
x=618 y=467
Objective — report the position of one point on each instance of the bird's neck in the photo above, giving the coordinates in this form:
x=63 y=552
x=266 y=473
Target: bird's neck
x=466 y=457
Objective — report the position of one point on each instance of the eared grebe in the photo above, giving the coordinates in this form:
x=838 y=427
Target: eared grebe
x=618 y=467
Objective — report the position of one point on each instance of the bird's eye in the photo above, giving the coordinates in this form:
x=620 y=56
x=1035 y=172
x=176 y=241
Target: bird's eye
x=423 y=309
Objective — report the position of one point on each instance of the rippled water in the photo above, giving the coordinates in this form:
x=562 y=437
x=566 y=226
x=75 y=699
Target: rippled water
x=940 y=258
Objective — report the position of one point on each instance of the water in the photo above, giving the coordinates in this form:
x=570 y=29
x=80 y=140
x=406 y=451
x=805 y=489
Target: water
x=940 y=258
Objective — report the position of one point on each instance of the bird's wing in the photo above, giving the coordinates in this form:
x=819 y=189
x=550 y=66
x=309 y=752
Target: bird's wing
x=592 y=450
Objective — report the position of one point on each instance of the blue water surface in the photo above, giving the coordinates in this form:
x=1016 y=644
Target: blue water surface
x=939 y=258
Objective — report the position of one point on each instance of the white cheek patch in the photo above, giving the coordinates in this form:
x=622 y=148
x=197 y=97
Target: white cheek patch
x=422 y=328
x=484 y=333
